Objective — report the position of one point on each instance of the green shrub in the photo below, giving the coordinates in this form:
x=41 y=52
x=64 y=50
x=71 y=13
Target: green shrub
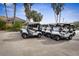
x=17 y=25
x=2 y=25
x=76 y=25
x=9 y=27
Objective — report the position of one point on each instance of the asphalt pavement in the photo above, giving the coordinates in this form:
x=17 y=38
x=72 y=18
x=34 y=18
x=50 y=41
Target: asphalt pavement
x=12 y=44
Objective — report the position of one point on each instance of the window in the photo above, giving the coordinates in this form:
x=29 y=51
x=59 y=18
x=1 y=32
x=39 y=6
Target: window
x=56 y=28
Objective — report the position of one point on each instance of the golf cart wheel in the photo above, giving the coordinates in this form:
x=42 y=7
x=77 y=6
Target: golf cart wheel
x=74 y=34
x=69 y=38
x=48 y=35
x=51 y=37
x=24 y=35
x=39 y=35
x=57 y=38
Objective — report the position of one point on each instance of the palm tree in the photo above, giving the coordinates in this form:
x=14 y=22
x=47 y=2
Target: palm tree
x=61 y=6
x=27 y=7
x=54 y=6
x=14 y=12
x=57 y=8
x=6 y=10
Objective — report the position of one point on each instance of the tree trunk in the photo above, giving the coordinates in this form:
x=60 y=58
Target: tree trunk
x=6 y=11
x=27 y=5
x=57 y=19
x=55 y=16
x=60 y=17
x=14 y=13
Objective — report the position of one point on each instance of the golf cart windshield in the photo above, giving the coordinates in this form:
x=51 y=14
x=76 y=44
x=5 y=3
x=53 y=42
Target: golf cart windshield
x=72 y=28
x=56 y=28
x=34 y=26
x=68 y=27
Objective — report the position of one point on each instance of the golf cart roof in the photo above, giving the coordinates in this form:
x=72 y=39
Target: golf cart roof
x=30 y=23
x=61 y=24
x=44 y=24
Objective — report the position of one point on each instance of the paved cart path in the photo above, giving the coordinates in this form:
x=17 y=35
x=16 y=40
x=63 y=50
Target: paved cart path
x=11 y=43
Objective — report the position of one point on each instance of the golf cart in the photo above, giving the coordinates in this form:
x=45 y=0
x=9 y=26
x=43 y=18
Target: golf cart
x=60 y=31
x=43 y=29
x=48 y=31
x=32 y=29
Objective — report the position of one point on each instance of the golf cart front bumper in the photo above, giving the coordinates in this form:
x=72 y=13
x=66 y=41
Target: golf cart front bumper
x=68 y=35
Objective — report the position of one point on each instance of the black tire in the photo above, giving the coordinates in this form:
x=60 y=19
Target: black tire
x=74 y=34
x=57 y=38
x=69 y=38
x=24 y=36
x=51 y=36
x=39 y=35
x=48 y=35
x=42 y=33
x=45 y=34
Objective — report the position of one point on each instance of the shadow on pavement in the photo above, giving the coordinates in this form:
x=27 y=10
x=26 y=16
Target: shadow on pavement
x=76 y=39
x=43 y=40
x=19 y=39
x=51 y=41
x=12 y=39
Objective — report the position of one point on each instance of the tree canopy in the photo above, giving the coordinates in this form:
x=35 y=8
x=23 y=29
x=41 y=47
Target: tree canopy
x=37 y=17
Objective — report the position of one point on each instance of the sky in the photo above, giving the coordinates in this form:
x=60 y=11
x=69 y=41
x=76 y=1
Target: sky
x=69 y=14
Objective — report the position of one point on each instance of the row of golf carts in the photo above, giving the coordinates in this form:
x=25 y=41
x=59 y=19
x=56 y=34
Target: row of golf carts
x=54 y=31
